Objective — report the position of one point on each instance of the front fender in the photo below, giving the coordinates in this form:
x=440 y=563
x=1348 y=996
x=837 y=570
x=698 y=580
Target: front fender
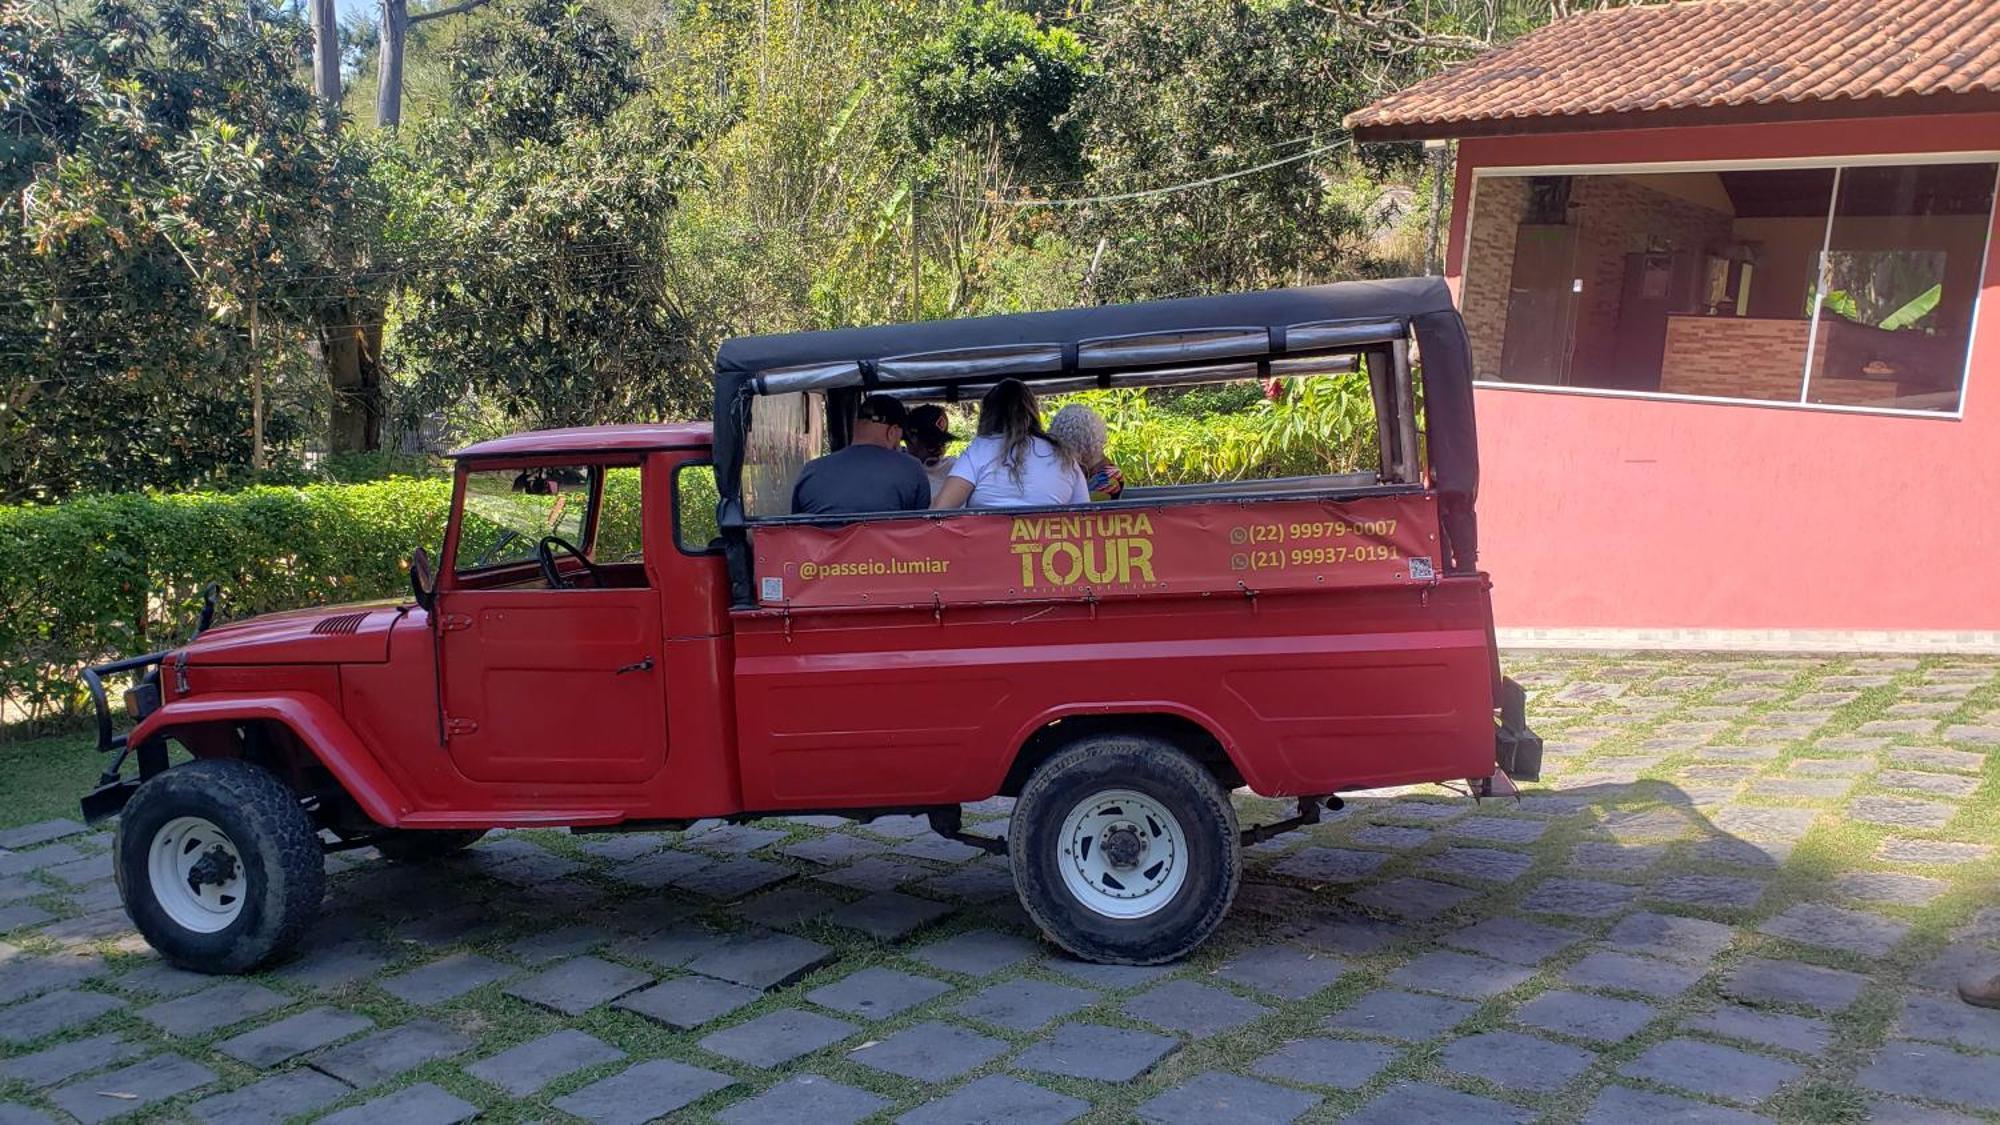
x=317 y=725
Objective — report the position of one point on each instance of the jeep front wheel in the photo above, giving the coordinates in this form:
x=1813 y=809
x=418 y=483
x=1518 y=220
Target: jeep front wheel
x=218 y=865
x=1125 y=850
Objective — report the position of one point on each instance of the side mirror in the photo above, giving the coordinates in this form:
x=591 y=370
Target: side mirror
x=423 y=580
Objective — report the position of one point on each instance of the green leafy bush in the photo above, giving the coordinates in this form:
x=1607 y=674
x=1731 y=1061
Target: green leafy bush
x=1319 y=424
x=100 y=577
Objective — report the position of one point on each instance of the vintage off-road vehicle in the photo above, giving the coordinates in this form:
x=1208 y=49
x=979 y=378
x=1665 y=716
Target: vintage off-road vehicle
x=627 y=629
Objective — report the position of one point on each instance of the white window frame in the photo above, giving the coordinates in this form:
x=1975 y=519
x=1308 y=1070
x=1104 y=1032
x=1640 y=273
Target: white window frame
x=1975 y=156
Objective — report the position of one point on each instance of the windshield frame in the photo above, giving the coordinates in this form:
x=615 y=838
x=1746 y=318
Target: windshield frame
x=501 y=573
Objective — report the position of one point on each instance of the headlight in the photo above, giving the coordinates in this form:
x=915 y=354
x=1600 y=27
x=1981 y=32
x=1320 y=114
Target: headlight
x=142 y=700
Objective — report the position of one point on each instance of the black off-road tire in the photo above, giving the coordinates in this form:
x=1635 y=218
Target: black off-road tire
x=282 y=863
x=1161 y=771
x=422 y=845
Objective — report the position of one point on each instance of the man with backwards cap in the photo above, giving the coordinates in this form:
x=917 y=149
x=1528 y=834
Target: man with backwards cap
x=925 y=435
x=870 y=473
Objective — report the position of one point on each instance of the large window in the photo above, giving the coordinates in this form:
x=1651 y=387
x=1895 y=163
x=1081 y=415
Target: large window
x=1849 y=285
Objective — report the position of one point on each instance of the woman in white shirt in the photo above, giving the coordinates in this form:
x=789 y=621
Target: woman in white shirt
x=1012 y=463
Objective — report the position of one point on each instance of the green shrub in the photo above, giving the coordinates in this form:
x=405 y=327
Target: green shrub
x=1321 y=424
x=100 y=577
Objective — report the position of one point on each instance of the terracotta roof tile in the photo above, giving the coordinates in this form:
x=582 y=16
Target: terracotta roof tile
x=1738 y=60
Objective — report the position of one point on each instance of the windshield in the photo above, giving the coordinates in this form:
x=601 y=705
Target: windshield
x=509 y=511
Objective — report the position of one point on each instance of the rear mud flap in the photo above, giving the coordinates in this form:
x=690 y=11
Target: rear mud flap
x=1517 y=750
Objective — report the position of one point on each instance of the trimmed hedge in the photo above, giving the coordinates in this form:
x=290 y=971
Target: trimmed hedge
x=101 y=577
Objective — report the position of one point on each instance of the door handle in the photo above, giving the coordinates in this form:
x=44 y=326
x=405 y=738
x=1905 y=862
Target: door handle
x=645 y=665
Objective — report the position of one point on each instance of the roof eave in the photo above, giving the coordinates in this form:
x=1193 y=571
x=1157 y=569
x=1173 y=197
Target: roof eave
x=1749 y=114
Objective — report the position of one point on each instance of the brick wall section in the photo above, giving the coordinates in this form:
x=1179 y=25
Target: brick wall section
x=1619 y=215
x=1735 y=357
x=1489 y=267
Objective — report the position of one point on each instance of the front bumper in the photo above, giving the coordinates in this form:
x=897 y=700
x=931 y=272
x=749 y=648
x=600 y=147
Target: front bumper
x=143 y=699
x=1517 y=749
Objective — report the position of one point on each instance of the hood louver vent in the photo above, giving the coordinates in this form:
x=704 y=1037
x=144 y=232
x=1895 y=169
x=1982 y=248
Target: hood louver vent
x=344 y=623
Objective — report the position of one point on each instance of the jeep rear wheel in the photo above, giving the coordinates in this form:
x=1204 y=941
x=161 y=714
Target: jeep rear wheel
x=218 y=865
x=1125 y=850
x=421 y=845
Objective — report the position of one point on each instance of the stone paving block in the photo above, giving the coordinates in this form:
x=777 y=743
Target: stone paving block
x=130 y=1088
x=805 y=1098
x=386 y=1054
x=470 y=922
x=732 y=879
x=1106 y=1054
x=978 y=953
x=642 y=1093
x=1965 y=732
x=686 y=1003
x=1330 y=865
x=994 y=1099
x=1901 y=812
x=786 y=907
x=1830 y=927
x=1283 y=971
x=1763 y=822
x=40 y=832
x=334 y=966
x=1340 y=1063
x=1213 y=1096
x=1628 y=972
x=1949 y=1021
x=423 y=1104
x=1115 y=977
x=674 y=946
x=1934 y=1072
x=658 y=869
x=1199 y=1009
x=1616 y=857
x=213 y=1009
x=161 y=979
x=82 y=870
x=1948 y=785
x=888 y=915
x=1415 y=899
x=733 y=839
x=1517 y=1062
x=1398 y=837
x=293 y=1036
x=578 y=985
x=1404 y=1016
x=1622 y=1105
x=929 y=1052
x=1421 y=1103
x=832 y=849
x=1515 y=940
x=974 y=882
x=1500 y=830
x=778 y=1037
x=761 y=960
x=1486 y=865
x=269 y=1101
x=1579 y=898
x=1890 y=887
x=21 y=915
x=1602 y=1019
x=24 y=977
x=1025 y=1005
x=1789 y=982
x=876 y=873
x=1888 y=1111
x=1422 y=812
x=1767 y=855
x=67 y=1059
x=1712 y=1070
x=1801 y=788
x=445 y=979
x=1833 y=767
x=53 y=1012
x=1460 y=974
x=523 y=1069
x=940 y=849
x=556 y=944
x=14 y=863
x=1772 y=1029
x=877 y=993
x=1693 y=940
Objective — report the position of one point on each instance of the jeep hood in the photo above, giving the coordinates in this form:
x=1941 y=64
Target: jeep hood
x=341 y=634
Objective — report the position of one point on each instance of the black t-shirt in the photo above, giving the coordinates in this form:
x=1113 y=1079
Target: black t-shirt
x=861 y=478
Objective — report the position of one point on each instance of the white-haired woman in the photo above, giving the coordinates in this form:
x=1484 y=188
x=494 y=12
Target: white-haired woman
x=1079 y=432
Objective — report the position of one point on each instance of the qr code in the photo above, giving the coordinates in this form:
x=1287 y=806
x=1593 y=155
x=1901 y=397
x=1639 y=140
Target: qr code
x=774 y=589
x=1421 y=569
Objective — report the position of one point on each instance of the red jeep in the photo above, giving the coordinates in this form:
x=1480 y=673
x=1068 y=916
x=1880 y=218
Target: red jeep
x=628 y=630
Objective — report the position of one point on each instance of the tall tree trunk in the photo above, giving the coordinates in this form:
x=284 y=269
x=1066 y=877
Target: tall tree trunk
x=326 y=60
x=352 y=355
x=389 y=64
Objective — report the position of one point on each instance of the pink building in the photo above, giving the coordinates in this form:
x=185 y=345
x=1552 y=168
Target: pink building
x=1730 y=275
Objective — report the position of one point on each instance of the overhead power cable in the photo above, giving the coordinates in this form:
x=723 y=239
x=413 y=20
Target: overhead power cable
x=1170 y=189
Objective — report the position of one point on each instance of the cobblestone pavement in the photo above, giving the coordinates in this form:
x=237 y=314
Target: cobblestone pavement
x=1742 y=894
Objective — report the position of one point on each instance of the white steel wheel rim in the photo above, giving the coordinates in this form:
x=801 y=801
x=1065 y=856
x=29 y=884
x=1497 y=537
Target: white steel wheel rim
x=1123 y=854
x=196 y=874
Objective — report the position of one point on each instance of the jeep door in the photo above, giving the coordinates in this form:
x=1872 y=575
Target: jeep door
x=550 y=665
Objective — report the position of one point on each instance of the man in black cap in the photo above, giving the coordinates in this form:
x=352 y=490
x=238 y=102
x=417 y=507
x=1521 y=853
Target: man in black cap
x=925 y=435
x=870 y=473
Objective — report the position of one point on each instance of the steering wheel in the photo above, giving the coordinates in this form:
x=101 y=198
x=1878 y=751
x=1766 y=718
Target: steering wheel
x=546 y=556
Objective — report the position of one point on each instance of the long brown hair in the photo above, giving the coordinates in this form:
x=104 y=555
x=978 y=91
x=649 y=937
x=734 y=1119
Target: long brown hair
x=1010 y=413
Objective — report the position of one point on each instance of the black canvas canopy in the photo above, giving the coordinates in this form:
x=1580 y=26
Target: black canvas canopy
x=1265 y=328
